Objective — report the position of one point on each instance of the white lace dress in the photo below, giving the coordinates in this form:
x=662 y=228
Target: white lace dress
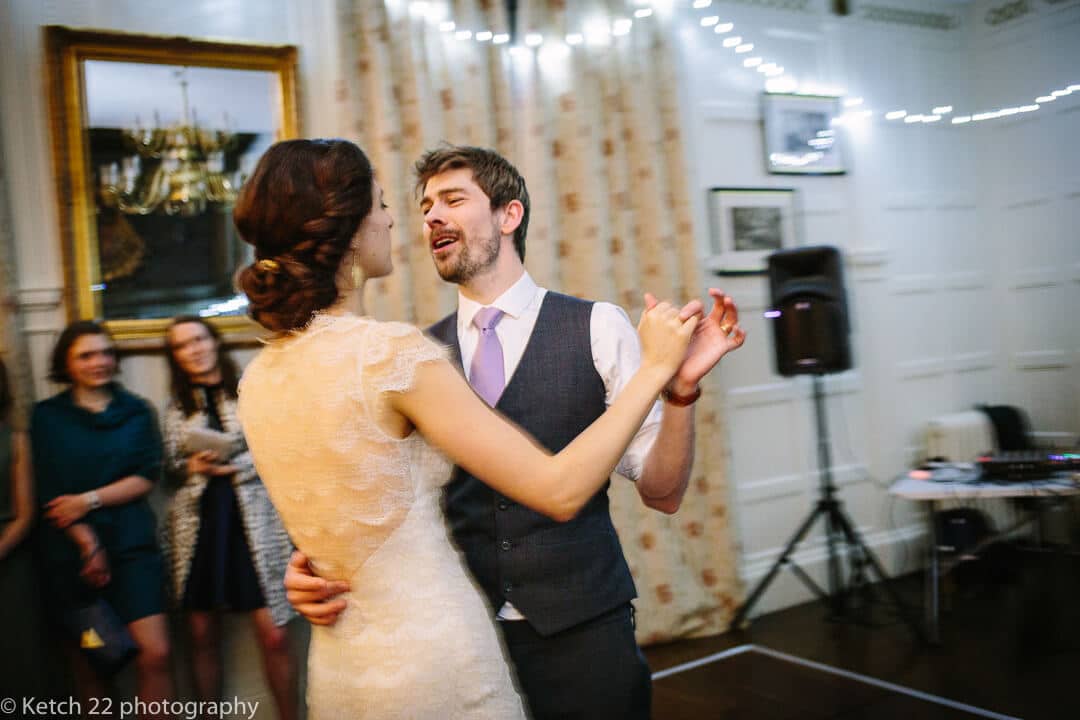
x=417 y=639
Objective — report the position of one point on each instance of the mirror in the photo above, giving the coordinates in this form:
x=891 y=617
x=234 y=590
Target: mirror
x=154 y=137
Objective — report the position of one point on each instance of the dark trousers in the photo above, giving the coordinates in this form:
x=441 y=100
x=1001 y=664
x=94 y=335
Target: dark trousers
x=593 y=671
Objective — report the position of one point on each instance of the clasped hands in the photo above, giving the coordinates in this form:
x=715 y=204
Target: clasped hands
x=716 y=334
x=65 y=510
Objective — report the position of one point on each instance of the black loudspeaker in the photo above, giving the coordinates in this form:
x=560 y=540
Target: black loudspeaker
x=809 y=311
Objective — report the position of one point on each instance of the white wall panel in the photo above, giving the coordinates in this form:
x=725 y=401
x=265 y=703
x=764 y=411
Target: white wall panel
x=770 y=442
x=972 y=323
x=826 y=227
x=961 y=242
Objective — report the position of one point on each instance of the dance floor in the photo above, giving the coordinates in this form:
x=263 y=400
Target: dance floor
x=1010 y=648
x=752 y=681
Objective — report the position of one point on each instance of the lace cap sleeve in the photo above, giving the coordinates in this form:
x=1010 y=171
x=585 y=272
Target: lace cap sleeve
x=392 y=351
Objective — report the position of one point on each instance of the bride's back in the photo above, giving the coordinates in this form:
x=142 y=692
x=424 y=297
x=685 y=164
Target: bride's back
x=363 y=506
x=309 y=405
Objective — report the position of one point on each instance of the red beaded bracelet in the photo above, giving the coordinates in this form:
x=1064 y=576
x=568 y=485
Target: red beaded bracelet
x=681 y=400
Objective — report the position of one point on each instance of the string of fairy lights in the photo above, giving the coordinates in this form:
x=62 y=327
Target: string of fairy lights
x=776 y=78
x=599 y=32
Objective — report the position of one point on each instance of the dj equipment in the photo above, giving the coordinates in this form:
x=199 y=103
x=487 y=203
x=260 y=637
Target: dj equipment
x=1028 y=464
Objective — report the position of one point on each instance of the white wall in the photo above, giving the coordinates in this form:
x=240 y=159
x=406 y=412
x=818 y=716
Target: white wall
x=961 y=249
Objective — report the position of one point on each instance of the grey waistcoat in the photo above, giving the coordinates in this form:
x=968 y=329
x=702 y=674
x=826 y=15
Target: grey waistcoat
x=557 y=574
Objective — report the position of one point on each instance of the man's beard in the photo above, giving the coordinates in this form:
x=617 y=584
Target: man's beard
x=471 y=260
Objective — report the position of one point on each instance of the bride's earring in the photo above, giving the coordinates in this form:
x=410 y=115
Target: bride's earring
x=356 y=272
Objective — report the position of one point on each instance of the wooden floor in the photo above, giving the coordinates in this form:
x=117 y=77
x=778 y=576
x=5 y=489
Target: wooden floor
x=808 y=691
x=1011 y=648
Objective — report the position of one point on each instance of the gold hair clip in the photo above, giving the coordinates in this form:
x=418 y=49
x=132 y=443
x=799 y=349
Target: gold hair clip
x=269 y=265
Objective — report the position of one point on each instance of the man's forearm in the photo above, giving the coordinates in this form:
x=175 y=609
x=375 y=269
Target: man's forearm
x=666 y=470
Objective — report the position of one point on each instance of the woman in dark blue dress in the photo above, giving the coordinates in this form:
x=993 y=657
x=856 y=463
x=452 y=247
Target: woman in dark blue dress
x=97 y=453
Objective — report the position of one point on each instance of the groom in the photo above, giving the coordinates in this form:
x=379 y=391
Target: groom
x=551 y=363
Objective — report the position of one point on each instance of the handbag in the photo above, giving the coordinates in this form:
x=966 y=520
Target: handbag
x=101 y=635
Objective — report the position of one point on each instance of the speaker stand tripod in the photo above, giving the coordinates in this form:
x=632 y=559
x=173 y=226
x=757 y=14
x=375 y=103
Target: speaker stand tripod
x=839 y=531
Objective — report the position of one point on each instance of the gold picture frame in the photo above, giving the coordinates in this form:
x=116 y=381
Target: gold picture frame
x=69 y=51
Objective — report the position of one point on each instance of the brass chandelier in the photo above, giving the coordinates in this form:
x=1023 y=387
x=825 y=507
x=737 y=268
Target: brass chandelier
x=187 y=167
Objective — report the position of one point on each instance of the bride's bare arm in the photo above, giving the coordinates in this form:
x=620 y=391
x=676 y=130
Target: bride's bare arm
x=452 y=417
x=447 y=411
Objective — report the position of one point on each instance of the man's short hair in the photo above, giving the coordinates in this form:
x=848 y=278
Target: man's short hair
x=499 y=179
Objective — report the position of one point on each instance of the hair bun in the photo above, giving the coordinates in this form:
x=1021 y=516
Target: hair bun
x=268 y=290
x=300 y=209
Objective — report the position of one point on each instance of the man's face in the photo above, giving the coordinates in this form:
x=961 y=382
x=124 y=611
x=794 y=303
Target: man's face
x=461 y=229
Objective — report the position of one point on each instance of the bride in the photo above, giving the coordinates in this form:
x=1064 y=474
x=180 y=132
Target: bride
x=353 y=425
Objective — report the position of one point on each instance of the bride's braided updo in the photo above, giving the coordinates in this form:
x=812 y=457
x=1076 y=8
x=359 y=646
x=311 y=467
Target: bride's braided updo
x=300 y=210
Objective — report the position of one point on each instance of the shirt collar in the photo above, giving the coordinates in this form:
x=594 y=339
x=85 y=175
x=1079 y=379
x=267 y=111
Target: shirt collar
x=514 y=301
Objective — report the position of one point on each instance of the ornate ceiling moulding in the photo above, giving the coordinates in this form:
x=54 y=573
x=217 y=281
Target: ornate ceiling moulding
x=1007 y=12
x=805 y=6
x=904 y=16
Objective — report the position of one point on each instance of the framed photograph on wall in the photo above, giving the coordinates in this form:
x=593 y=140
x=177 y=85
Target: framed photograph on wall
x=748 y=225
x=800 y=137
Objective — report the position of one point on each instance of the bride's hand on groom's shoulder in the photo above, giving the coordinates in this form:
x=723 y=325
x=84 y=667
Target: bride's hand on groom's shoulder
x=310 y=595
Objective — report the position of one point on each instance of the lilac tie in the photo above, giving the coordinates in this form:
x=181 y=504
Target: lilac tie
x=486 y=374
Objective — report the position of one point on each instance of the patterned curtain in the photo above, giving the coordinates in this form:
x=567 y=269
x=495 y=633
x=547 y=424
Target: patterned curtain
x=595 y=130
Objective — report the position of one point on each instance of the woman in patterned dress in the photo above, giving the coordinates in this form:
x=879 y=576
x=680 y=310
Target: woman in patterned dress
x=227 y=547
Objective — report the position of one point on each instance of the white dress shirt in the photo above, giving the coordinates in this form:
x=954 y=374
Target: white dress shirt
x=616 y=351
x=616 y=355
